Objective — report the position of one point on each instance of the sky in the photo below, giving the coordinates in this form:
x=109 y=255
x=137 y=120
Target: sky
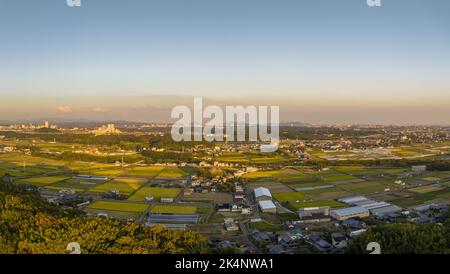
x=321 y=61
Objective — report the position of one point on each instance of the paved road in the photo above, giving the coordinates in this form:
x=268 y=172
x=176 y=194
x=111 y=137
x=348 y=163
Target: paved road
x=246 y=237
x=281 y=209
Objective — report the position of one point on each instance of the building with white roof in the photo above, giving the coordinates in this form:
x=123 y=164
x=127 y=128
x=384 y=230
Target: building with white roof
x=262 y=194
x=374 y=207
x=385 y=210
x=418 y=169
x=267 y=206
x=351 y=200
x=349 y=212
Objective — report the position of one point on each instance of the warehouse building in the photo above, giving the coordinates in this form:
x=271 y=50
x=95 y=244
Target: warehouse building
x=419 y=169
x=349 y=212
x=267 y=206
x=374 y=207
x=314 y=214
x=262 y=194
x=385 y=210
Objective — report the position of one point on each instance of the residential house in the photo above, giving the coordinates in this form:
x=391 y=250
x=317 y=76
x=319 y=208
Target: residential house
x=230 y=225
x=339 y=240
x=354 y=224
x=223 y=207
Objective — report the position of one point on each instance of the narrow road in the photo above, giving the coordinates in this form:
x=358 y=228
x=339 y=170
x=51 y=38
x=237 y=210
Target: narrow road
x=246 y=237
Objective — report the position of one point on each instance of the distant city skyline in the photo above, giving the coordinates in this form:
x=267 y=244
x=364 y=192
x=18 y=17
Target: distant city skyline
x=158 y=108
x=321 y=61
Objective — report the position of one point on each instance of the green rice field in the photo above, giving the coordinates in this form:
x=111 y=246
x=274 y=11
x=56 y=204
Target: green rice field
x=118 y=206
x=156 y=192
x=150 y=171
x=172 y=173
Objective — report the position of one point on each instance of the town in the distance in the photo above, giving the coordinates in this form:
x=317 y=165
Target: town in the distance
x=327 y=189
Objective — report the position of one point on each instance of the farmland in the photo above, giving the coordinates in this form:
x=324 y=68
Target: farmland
x=283 y=175
x=330 y=203
x=364 y=187
x=166 y=209
x=118 y=206
x=217 y=184
x=265 y=226
x=439 y=195
x=172 y=173
x=77 y=184
x=43 y=181
x=151 y=171
x=123 y=185
x=107 y=172
x=251 y=158
x=290 y=196
x=335 y=182
x=328 y=193
x=156 y=192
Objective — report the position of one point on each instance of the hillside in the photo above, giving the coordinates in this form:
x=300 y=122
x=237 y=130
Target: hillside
x=32 y=226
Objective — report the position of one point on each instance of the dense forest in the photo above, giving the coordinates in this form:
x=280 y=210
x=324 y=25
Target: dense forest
x=30 y=225
x=404 y=238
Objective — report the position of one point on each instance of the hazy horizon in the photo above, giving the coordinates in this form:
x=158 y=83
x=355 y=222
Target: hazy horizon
x=322 y=62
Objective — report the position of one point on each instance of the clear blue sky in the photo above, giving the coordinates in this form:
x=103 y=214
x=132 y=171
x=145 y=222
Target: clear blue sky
x=320 y=60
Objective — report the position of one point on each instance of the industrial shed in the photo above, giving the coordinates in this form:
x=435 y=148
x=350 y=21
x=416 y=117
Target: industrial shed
x=349 y=212
x=375 y=207
x=267 y=206
x=262 y=194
